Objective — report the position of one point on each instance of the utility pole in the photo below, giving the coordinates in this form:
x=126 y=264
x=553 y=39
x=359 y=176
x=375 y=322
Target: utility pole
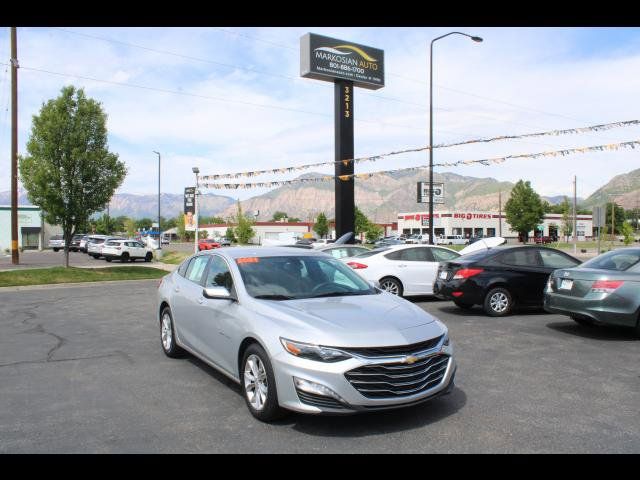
x=613 y=223
x=15 y=257
x=575 y=232
x=500 y=213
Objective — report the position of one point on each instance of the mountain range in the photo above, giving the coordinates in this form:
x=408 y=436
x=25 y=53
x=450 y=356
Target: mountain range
x=380 y=197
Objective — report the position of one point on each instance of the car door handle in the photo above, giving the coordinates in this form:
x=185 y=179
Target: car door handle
x=176 y=289
x=201 y=300
x=402 y=265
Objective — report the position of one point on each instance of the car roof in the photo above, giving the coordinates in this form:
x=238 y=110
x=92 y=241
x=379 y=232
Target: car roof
x=259 y=251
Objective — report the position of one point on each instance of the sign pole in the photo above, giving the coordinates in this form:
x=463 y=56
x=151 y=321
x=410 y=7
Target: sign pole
x=344 y=189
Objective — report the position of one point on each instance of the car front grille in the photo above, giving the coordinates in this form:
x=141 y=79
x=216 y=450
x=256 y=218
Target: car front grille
x=319 y=401
x=393 y=380
x=394 y=350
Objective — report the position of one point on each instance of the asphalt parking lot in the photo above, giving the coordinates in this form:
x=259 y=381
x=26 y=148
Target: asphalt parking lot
x=82 y=371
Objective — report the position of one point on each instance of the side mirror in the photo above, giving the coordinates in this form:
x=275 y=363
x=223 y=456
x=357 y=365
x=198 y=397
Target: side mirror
x=219 y=293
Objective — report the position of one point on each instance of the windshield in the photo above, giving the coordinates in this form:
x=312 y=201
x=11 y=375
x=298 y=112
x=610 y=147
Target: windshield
x=618 y=260
x=296 y=277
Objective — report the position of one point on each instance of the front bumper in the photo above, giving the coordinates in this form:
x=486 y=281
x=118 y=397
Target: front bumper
x=350 y=400
x=608 y=310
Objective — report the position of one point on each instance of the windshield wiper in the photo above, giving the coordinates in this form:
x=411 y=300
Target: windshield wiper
x=339 y=294
x=273 y=297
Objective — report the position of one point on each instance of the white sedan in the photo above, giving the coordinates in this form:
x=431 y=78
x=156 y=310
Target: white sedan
x=403 y=270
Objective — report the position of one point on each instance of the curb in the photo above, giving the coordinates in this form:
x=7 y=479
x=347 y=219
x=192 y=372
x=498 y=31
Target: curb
x=49 y=286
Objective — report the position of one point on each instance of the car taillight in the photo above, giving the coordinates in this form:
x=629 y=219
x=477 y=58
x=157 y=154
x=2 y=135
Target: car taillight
x=356 y=265
x=605 y=286
x=467 y=272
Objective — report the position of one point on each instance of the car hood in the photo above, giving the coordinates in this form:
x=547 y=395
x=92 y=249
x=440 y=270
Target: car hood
x=352 y=321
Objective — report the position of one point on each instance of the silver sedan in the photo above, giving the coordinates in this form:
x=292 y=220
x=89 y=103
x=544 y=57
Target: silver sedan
x=299 y=330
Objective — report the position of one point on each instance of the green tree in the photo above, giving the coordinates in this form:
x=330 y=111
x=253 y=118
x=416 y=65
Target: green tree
x=244 y=231
x=203 y=234
x=278 y=216
x=627 y=231
x=361 y=222
x=230 y=235
x=567 y=219
x=321 y=226
x=619 y=217
x=144 y=223
x=524 y=209
x=130 y=227
x=204 y=220
x=69 y=171
x=373 y=233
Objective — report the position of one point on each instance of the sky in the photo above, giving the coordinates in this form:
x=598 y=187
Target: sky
x=229 y=99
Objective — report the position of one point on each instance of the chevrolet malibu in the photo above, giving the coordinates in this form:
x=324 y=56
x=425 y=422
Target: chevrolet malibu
x=299 y=330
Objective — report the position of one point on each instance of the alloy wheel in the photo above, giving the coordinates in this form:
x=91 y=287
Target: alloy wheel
x=390 y=286
x=499 y=302
x=255 y=382
x=166 y=332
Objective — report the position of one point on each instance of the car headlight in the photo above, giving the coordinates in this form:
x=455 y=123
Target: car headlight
x=313 y=352
x=446 y=340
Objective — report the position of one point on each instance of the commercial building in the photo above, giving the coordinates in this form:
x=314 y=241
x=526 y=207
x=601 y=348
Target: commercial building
x=33 y=231
x=487 y=224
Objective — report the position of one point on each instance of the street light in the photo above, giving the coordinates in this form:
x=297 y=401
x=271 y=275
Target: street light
x=159 y=233
x=196 y=170
x=475 y=39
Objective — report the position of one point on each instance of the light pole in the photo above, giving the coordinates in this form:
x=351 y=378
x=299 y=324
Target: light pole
x=159 y=232
x=196 y=170
x=475 y=39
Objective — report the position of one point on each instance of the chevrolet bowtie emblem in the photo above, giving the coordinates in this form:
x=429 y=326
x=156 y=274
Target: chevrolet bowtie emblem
x=410 y=359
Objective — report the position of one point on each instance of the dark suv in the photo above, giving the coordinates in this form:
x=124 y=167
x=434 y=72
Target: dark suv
x=501 y=277
x=74 y=245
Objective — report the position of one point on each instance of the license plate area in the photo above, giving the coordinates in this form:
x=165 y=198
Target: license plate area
x=565 y=284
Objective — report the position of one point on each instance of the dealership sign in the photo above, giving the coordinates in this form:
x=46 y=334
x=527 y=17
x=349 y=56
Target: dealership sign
x=325 y=58
x=423 y=192
x=189 y=208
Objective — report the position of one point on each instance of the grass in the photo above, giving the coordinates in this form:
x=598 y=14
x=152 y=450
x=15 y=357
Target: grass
x=173 y=257
x=43 y=276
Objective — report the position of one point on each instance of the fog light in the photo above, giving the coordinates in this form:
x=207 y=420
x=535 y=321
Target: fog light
x=315 y=388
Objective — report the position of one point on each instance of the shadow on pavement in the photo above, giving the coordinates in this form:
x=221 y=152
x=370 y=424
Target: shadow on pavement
x=375 y=423
x=216 y=375
x=596 y=332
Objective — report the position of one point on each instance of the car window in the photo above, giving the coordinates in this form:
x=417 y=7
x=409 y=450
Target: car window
x=339 y=252
x=218 y=274
x=373 y=252
x=196 y=268
x=182 y=269
x=442 y=255
x=553 y=259
x=619 y=260
x=416 y=255
x=353 y=251
x=521 y=257
x=395 y=255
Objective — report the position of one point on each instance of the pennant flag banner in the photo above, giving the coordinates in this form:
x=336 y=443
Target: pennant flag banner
x=593 y=128
x=487 y=161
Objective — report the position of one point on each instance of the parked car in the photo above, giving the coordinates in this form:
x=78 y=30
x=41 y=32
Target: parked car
x=604 y=290
x=223 y=241
x=544 y=239
x=500 y=278
x=83 y=243
x=323 y=242
x=299 y=330
x=207 y=244
x=343 y=251
x=389 y=242
x=74 y=244
x=402 y=270
x=126 y=251
x=307 y=241
x=56 y=242
x=451 y=240
x=96 y=242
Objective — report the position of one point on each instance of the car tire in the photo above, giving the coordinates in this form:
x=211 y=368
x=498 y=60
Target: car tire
x=463 y=305
x=585 y=322
x=124 y=258
x=56 y=249
x=265 y=405
x=148 y=257
x=108 y=259
x=498 y=302
x=96 y=256
x=392 y=285
x=168 y=335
